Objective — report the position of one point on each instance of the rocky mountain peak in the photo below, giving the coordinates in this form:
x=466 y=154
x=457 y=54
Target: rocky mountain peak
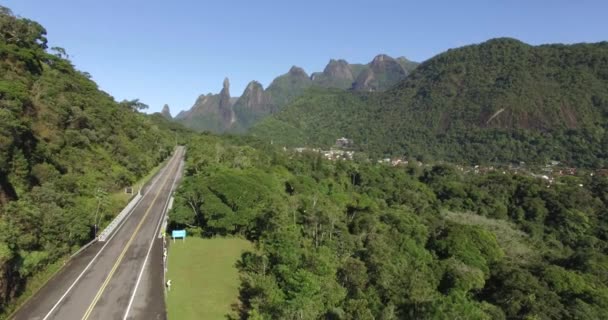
x=226 y=87
x=225 y=107
x=382 y=72
x=253 y=86
x=338 y=69
x=297 y=71
x=221 y=112
x=382 y=59
x=254 y=97
x=166 y=112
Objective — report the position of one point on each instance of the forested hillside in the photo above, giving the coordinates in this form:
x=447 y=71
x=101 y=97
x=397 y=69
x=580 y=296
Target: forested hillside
x=65 y=148
x=499 y=101
x=358 y=240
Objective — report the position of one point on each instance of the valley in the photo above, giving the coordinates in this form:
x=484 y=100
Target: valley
x=470 y=185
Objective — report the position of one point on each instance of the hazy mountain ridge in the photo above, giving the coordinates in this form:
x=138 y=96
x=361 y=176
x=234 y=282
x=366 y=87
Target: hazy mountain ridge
x=380 y=74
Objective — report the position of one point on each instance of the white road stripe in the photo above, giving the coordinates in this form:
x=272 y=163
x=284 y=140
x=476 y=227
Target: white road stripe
x=143 y=267
x=98 y=253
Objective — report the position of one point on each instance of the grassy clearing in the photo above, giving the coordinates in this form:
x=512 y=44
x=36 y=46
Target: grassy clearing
x=516 y=244
x=204 y=278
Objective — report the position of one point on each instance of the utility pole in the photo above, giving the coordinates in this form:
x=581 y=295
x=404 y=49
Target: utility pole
x=100 y=195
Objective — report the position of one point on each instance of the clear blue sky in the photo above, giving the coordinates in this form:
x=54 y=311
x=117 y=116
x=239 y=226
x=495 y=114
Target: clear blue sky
x=172 y=51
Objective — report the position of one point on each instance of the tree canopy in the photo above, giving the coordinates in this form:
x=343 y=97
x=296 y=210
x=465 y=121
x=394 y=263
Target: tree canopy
x=65 y=148
x=357 y=240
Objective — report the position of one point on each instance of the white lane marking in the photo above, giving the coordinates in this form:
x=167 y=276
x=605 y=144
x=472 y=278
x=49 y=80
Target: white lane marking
x=143 y=267
x=98 y=253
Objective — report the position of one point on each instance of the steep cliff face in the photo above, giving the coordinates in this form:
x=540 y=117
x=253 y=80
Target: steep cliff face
x=254 y=98
x=256 y=103
x=210 y=112
x=338 y=69
x=253 y=104
x=337 y=74
x=225 y=105
x=204 y=104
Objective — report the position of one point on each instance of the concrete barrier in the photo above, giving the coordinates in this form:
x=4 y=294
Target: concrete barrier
x=103 y=236
x=165 y=217
x=107 y=232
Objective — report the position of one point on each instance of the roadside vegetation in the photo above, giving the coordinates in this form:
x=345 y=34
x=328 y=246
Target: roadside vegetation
x=67 y=150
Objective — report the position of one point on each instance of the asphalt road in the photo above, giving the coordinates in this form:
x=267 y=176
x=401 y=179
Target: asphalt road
x=121 y=278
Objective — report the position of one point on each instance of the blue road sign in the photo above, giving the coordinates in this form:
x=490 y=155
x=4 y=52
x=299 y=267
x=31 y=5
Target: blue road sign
x=178 y=234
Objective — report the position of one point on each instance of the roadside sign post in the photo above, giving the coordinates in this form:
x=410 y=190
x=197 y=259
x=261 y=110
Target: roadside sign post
x=178 y=234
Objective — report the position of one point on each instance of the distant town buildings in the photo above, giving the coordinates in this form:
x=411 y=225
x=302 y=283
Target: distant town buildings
x=344 y=143
x=548 y=172
x=331 y=154
x=335 y=154
x=397 y=162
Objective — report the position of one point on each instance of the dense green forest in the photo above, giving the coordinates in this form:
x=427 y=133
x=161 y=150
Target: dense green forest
x=497 y=102
x=65 y=148
x=336 y=239
x=359 y=240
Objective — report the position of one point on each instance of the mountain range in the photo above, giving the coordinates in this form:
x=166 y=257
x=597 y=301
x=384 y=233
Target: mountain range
x=499 y=101
x=223 y=113
x=333 y=240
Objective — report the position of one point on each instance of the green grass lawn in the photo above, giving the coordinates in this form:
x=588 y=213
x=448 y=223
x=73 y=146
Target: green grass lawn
x=204 y=278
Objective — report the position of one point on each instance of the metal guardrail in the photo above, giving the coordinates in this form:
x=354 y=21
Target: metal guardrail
x=165 y=216
x=107 y=232
x=103 y=236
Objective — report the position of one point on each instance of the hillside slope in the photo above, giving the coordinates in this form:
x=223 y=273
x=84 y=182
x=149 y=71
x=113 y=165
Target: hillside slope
x=65 y=147
x=499 y=101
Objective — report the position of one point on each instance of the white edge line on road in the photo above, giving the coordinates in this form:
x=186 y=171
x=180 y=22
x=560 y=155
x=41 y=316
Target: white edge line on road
x=126 y=216
x=98 y=253
x=143 y=267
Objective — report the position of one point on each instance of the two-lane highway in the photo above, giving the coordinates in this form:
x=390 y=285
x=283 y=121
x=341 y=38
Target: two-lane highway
x=121 y=278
